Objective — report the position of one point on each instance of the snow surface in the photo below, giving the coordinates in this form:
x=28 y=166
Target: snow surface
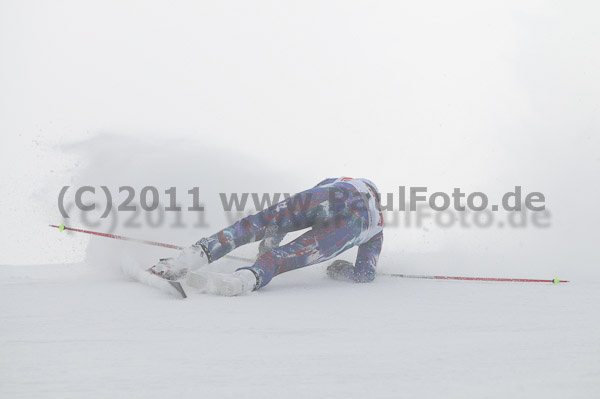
x=74 y=330
x=252 y=97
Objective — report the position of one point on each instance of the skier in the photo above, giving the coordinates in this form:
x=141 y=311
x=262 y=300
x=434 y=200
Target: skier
x=340 y=213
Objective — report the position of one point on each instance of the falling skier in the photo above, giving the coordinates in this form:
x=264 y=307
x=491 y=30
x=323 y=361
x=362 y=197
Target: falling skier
x=340 y=213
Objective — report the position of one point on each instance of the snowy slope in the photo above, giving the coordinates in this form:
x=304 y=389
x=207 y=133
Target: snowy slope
x=70 y=331
x=263 y=97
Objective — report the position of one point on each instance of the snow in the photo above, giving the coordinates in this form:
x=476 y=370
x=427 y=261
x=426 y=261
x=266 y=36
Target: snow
x=74 y=330
x=256 y=98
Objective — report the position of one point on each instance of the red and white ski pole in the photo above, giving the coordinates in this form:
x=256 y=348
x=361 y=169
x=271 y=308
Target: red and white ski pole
x=62 y=227
x=117 y=237
x=501 y=279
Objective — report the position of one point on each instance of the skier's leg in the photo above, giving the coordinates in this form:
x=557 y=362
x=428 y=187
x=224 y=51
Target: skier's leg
x=321 y=243
x=298 y=212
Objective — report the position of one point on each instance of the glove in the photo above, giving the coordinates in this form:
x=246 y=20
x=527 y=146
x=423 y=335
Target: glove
x=340 y=270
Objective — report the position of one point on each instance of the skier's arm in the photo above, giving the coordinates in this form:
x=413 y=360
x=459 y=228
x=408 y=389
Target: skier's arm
x=366 y=259
x=363 y=271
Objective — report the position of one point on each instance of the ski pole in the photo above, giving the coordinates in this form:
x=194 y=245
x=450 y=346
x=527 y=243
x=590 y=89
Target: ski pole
x=117 y=237
x=514 y=280
x=139 y=241
x=161 y=244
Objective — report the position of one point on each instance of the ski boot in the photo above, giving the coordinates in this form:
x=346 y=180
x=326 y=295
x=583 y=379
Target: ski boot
x=240 y=282
x=191 y=258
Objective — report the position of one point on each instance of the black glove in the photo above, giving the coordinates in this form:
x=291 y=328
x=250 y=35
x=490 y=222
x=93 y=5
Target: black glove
x=337 y=270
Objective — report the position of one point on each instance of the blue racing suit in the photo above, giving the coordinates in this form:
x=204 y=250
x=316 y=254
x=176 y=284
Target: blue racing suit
x=340 y=213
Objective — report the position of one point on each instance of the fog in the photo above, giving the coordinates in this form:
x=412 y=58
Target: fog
x=269 y=97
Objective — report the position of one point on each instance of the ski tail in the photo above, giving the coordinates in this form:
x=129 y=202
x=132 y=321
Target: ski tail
x=178 y=287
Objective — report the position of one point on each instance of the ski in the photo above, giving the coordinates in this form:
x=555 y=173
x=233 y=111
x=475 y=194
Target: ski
x=145 y=277
x=178 y=287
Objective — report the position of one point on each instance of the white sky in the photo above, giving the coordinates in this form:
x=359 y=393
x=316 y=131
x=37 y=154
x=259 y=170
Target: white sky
x=438 y=94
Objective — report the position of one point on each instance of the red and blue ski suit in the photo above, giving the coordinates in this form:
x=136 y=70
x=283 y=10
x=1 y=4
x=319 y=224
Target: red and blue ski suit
x=340 y=213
